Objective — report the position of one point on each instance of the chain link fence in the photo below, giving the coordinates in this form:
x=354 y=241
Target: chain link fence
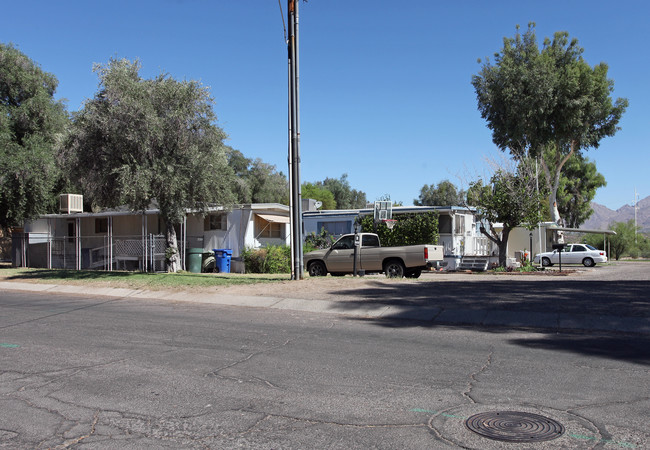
x=5 y=249
x=134 y=253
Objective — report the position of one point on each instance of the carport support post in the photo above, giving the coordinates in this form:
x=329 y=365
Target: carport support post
x=49 y=243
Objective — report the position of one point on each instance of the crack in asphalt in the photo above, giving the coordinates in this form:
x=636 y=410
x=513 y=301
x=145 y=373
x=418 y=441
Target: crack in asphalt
x=324 y=422
x=255 y=425
x=250 y=356
x=78 y=439
x=604 y=435
x=439 y=435
x=65 y=373
x=473 y=378
x=62 y=418
x=612 y=403
x=36 y=319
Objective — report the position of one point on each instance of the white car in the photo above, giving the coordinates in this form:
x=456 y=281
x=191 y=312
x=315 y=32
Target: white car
x=573 y=254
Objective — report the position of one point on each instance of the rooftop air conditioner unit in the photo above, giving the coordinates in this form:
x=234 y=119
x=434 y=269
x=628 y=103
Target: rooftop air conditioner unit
x=71 y=203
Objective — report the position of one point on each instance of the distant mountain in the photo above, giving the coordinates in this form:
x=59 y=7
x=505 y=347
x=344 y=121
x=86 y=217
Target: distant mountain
x=603 y=216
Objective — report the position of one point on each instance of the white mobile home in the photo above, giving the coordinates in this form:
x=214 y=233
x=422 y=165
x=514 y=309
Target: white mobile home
x=122 y=239
x=458 y=230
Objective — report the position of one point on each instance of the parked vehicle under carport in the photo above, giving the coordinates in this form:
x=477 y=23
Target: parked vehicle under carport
x=584 y=254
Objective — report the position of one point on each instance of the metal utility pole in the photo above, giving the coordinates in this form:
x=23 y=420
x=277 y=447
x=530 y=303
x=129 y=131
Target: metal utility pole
x=294 y=144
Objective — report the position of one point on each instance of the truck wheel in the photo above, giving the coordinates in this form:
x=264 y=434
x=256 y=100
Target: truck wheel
x=394 y=269
x=414 y=273
x=317 y=269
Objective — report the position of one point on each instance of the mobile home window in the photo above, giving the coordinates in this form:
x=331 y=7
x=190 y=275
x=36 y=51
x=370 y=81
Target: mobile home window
x=267 y=229
x=215 y=222
x=460 y=225
x=444 y=224
x=101 y=225
x=336 y=228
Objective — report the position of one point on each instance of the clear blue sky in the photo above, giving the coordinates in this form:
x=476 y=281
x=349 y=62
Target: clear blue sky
x=385 y=85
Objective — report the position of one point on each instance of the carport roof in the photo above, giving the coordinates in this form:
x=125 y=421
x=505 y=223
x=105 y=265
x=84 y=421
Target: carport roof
x=580 y=230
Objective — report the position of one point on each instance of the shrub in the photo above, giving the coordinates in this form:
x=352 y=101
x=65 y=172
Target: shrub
x=410 y=229
x=318 y=241
x=270 y=259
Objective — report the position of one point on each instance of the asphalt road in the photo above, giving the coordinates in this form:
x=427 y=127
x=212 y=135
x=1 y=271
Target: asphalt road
x=103 y=372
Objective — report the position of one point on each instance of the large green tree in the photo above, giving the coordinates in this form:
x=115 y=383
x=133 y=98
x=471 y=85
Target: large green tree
x=320 y=193
x=257 y=181
x=546 y=103
x=140 y=140
x=578 y=184
x=443 y=194
x=31 y=125
x=509 y=199
x=344 y=196
x=623 y=241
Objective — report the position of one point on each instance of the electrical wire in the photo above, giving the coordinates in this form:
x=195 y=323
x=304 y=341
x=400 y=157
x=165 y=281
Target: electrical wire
x=284 y=25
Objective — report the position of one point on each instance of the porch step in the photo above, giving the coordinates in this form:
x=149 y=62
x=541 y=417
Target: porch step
x=475 y=263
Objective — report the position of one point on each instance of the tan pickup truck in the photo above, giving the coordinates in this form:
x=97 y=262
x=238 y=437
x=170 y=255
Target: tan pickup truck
x=407 y=261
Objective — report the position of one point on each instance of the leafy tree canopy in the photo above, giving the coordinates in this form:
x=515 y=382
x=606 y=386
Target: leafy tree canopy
x=320 y=193
x=257 y=181
x=534 y=100
x=409 y=229
x=623 y=240
x=578 y=186
x=140 y=140
x=509 y=199
x=344 y=196
x=444 y=194
x=31 y=126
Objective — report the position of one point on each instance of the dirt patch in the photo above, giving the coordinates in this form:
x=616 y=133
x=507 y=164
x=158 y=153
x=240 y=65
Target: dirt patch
x=317 y=288
x=328 y=287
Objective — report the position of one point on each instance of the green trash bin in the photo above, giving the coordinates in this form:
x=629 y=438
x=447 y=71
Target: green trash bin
x=194 y=259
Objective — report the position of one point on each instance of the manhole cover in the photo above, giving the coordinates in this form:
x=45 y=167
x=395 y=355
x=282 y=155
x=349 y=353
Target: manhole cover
x=514 y=426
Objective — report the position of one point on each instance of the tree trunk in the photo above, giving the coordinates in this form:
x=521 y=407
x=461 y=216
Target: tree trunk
x=503 y=246
x=553 y=180
x=554 y=185
x=500 y=241
x=172 y=257
x=552 y=204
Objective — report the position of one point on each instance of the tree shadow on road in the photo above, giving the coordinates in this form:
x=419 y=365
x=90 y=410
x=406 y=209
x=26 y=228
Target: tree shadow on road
x=602 y=305
x=634 y=349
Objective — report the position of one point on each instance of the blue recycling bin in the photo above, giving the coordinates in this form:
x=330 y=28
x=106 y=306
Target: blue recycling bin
x=222 y=257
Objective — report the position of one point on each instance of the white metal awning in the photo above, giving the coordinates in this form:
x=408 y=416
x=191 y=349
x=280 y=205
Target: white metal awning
x=273 y=218
x=580 y=230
